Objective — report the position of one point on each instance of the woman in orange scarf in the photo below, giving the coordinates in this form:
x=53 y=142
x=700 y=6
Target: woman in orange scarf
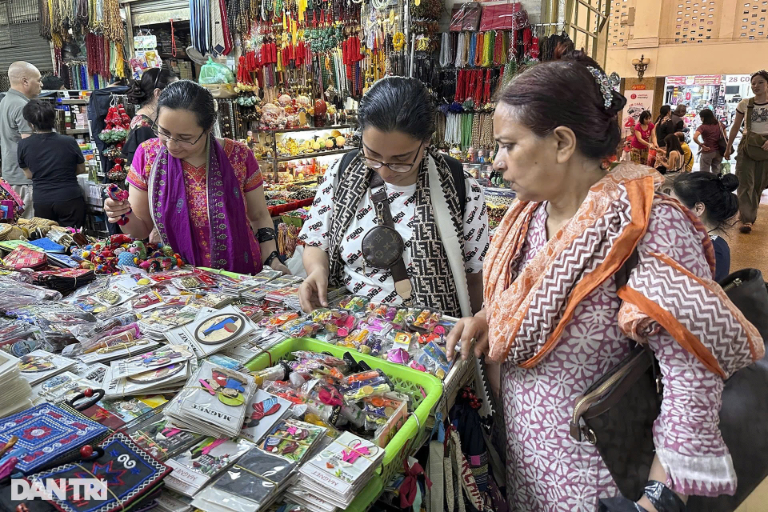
x=554 y=319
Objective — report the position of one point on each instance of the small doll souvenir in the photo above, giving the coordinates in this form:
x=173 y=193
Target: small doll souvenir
x=117 y=194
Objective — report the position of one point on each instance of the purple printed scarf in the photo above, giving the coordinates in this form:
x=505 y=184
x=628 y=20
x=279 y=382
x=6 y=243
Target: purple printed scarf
x=230 y=230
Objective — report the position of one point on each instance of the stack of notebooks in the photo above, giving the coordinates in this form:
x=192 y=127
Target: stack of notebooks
x=17 y=393
x=39 y=366
x=195 y=467
x=333 y=478
x=212 y=331
x=254 y=482
x=293 y=439
x=213 y=402
x=163 y=370
x=262 y=414
x=62 y=387
x=156 y=323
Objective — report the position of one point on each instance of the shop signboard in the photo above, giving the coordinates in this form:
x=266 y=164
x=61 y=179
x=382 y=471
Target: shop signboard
x=695 y=80
x=637 y=101
x=737 y=79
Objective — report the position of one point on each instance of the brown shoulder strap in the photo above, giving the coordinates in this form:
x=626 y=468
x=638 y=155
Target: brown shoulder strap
x=750 y=108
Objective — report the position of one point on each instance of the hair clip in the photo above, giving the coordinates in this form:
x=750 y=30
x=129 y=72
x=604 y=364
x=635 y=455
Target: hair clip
x=604 y=84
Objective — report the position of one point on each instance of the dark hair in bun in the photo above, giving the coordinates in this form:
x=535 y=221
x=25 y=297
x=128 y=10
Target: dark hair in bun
x=565 y=93
x=715 y=192
x=142 y=90
x=189 y=95
x=40 y=114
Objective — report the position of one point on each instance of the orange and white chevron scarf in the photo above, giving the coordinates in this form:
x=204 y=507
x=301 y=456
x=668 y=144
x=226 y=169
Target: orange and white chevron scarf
x=527 y=317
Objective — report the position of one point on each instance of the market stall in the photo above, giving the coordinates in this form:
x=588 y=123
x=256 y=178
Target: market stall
x=202 y=369
x=218 y=376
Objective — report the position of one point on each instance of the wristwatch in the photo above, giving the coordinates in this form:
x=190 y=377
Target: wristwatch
x=265 y=235
x=272 y=256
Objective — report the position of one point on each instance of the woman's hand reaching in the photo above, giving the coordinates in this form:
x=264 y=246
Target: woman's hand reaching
x=471 y=332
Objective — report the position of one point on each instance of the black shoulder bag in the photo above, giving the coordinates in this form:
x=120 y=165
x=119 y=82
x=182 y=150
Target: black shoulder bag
x=383 y=246
x=617 y=412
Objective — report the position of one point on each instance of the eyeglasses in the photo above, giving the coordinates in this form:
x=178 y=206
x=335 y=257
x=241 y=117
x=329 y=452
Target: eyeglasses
x=376 y=165
x=164 y=135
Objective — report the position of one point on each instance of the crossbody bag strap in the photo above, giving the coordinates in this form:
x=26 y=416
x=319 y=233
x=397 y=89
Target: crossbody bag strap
x=750 y=108
x=403 y=285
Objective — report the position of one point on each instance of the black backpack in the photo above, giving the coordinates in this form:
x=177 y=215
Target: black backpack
x=457 y=172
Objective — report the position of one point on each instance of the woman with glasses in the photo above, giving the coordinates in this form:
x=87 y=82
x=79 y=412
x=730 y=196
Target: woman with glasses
x=145 y=93
x=204 y=195
x=435 y=258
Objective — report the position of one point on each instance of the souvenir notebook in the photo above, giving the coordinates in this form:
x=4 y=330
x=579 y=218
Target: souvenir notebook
x=252 y=483
x=161 y=379
x=263 y=411
x=130 y=474
x=62 y=387
x=213 y=330
x=16 y=390
x=46 y=434
x=213 y=402
x=342 y=469
x=196 y=466
x=293 y=439
x=117 y=414
x=40 y=365
x=149 y=361
x=157 y=437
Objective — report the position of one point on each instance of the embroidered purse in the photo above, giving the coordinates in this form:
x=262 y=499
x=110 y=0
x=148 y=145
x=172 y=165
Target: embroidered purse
x=24 y=257
x=132 y=477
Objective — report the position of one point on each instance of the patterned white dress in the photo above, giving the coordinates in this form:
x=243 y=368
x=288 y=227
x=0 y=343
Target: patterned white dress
x=546 y=469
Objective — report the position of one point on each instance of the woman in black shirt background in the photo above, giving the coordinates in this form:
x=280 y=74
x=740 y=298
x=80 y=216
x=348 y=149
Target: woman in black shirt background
x=664 y=125
x=711 y=198
x=52 y=162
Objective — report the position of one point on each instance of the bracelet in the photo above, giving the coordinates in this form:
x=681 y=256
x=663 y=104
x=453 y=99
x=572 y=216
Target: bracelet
x=265 y=235
x=271 y=258
x=619 y=504
x=663 y=498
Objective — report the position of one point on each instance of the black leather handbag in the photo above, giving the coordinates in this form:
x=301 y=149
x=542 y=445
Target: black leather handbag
x=617 y=412
x=382 y=245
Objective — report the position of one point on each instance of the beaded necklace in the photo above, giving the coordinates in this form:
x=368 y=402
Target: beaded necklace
x=479 y=41
x=472 y=50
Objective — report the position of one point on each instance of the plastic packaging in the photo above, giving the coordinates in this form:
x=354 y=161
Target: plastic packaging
x=215 y=73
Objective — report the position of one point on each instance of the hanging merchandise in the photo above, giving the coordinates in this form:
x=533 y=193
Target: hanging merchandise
x=200 y=25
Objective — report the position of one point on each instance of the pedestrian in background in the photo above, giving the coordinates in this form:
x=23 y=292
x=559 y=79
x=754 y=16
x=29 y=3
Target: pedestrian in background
x=52 y=162
x=752 y=159
x=710 y=131
x=711 y=198
x=25 y=85
x=664 y=125
x=644 y=139
x=687 y=153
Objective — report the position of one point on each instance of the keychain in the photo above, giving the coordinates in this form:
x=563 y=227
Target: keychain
x=117 y=194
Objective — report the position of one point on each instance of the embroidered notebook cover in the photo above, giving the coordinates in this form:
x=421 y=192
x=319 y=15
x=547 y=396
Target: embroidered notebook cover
x=129 y=472
x=46 y=433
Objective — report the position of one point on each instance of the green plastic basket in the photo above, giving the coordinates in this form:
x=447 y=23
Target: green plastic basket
x=292 y=221
x=425 y=389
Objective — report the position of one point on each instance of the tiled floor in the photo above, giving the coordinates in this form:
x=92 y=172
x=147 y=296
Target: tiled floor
x=752 y=251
